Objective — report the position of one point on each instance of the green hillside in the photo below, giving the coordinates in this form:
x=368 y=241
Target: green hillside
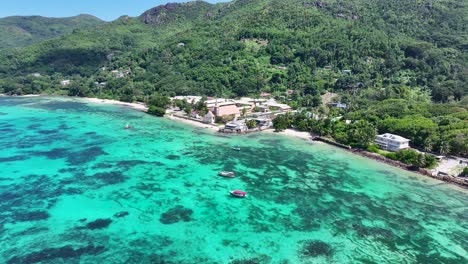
x=20 y=31
x=392 y=62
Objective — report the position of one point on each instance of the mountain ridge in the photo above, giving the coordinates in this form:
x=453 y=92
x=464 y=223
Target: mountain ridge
x=19 y=31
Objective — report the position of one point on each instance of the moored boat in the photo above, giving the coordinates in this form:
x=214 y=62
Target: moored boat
x=236 y=148
x=238 y=193
x=228 y=174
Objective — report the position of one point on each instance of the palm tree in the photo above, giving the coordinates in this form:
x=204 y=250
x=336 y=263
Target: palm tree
x=444 y=148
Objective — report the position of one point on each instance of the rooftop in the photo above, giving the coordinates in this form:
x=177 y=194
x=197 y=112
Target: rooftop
x=393 y=137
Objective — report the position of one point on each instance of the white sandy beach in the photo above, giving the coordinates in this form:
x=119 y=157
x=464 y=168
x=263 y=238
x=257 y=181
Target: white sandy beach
x=294 y=133
x=287 y=132
x=136 y=106
x=26 y=95
x=193 y=123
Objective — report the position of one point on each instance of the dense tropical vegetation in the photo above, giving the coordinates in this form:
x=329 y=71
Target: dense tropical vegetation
x=399 y=66
x=464 y=173
x=19 y=31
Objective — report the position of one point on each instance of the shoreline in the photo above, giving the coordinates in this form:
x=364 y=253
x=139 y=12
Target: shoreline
x=137 y=106
x=293 y=133
x=191 y=122
x=288 y=132
x=456 y=181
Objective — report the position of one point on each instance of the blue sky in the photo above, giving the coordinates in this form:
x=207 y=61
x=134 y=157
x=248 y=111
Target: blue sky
x=104 y=9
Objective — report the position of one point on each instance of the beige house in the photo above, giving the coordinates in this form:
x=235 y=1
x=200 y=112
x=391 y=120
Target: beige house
x=226 y=109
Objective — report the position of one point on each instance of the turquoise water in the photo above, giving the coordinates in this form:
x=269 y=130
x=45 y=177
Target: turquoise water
x=78 y=187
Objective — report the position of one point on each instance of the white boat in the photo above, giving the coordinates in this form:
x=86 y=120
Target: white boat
x=227 y=174
x=238 y=193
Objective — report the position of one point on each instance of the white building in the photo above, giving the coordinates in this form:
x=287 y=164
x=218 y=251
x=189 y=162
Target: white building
x=217 y=102
x=209 y=118
x=391 y=142
x=274 y=106
x=189 y=98
x=235 y=127
x=65 y=82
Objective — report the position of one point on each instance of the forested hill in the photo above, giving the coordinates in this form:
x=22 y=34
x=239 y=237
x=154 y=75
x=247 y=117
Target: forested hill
x=241 y=47
x=400 y=66
x=19 y=31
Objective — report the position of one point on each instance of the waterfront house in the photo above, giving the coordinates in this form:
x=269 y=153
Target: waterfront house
x=235 y=127
x=227 y=109
x=65 y=82
x=209 y=118
x=392 y=142
x=194 y=114
x=263 y=122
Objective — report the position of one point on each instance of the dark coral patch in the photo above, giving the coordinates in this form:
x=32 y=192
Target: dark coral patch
x=66 y=170
x=85 y=156
x=257 y=260
x=113 y=177
x=176 y=214
x=13 y=158
x=65 y=252
x=130 y=163
x=316 y=248
x=56 y=105
x=33 y=126
x=103 y=166
x=7 y=130
x=30 y=216
x=31 y=231
x=172 y=157
x=47 y=132
x=121 y=214
x=373 y=231
x=56 y=153
x=63 y=127
x=98 y=224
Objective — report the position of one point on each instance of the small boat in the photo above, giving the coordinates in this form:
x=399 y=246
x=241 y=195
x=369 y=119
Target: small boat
x=237 y=193
x=127 y=126
x=228 y=174
x=236 y=148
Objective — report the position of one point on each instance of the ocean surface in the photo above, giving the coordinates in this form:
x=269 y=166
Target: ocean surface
x=76 y=187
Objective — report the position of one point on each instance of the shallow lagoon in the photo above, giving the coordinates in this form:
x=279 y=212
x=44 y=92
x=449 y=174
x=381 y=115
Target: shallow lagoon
x=78 y=187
